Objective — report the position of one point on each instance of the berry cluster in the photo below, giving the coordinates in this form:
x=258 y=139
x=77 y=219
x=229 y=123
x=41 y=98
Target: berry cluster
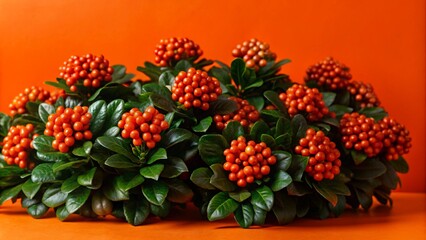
x=91 y=70
x=55 y=95
x=324 y=162
x=143 y=127
x=17 y=144
x=301 y=99
x=246 y=114
x=31 y=94
x=361 y=133
x=175 y=49
x=397 y=140
x=329 y=73
x=363 y=94
x=254 y=53
x=195 y=88
x=68 y=125
x=247 y=161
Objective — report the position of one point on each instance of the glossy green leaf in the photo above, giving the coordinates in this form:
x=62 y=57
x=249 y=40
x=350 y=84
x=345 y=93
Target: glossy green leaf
x=113 y=191
x=280 y=180
x=155 y=192
x=244 y=215
x=70 y=184
x=161 y=210
x=297 y=167
x=76 y=199
x=30 y=188
x=374 y=112
x=136 y=211
x=162 y=102
x=282 y=127
x=238 y=68
x=274 y=99
x=91 y=179
x=174 y=167
x=358 y=157
x=176 y=136
x=59 y=166
x=152 y=171
x=260 y=127
x=127 y=181
x=284 y=141
x=84 y=150
x=233 y=130
x=328 y=98
x=179 y=191
x=37 y=210
x=220 y=179
x=43 y=173
x=221 y=206
x=166 y=78
x=114 y=110
x=98 y=110
x=370 y=168
x=223 y=106
x=43 y=143
x=26 y=202
x=330 y=189
x=10 y=193
x=44 y=110
x=257 y=101
x=210 y=147
x=201 y=178
x=268 y=139
x=299 y=126
x=259 y=216
x=203 y=125
x=117 y=145
x=62 y=213
x=240 y=196
x=112 y=131
x=340 y=110
x=54 y=197
x=119 y=161
x=262 y=197
x=284 y=208
x=158 y=154
x=52 y=156
x=400 y=165
x=283 y=159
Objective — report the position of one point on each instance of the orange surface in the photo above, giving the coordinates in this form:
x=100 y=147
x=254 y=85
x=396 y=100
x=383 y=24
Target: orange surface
x=382 y=41
x=407 y=220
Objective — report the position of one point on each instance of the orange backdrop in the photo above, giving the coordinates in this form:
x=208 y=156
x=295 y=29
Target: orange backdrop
x=382 y=41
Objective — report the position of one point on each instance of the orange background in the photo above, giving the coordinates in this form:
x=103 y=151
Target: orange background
x=382 y=41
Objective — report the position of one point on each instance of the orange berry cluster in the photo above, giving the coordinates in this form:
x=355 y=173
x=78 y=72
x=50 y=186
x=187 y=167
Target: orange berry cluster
x=329 y=73
x=364 y=94
x=397 y=140
x=301 y=99
x=17 y=144
x=247 y=161
x=246 y=114
x=31 y=94
x=55 y=95
x=91 y=70
x=195 y=88
x=361 y=133
x=254 y=53
x=175 y=49
x=324 y=162
x=68 y=125
x=143 y=127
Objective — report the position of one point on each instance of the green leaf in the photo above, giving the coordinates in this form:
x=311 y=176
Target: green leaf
x=43 y=173
x=117 y=145
x=366 y=200
x=174 y=167
x=119 y=71
x=98 y=110
x=328 y=98
x=223 y=106
x=62 y=213
x=240 y=196
x=176 y=136
x=297 y=167
x=260 y=127
x=244 y=215
x=299 y=126
x=10 y=193
x=37 y=210
x=179 y=192
x=259 y=216
x=44 y=110
x=284 y=141
x=127 y=181
x=26 y=202
x=390 y=179
x=76 y=199
x=30 y=188
x=43 y=143
x=374 y=112
x=162 y=102
x=166 y=78
x=211 y=147
x=84 y=150
x=91 y=179
x=275 y=100
x=158 y=89
x=280 y=180
x=203 y=125
x=54 y=197
x=358 y=157
x=298 y=189
x=233 y=130
x=201 y=178
x=155 y=192
x=136 y=211
x=262 y=197
x=114 y=110
x=268 y=139
x=340 y=110
x=238 y=68
x=283 y=159
x=112 y=132
x=282 y=127
x=152 y=171
x=162 y=210
x=330 y=189
x=221 y=74
x=220 y=179
x=113 y=191
x=182 y=65
x=370 y=168
x=52 y=156
x=158 y=154
x=70 y=184
x=257 y=101
x=10 y=171
x=400 y=165
x=119 y=161
x=221 y=206
x=284 y=208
